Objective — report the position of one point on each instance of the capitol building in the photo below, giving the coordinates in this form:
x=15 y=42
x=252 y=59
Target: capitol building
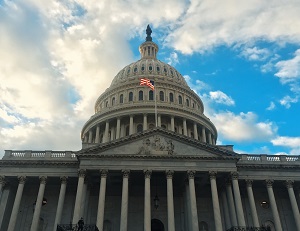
x=149 y=161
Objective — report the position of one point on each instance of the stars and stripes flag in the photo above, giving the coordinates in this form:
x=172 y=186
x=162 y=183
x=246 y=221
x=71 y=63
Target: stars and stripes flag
x=147 y=82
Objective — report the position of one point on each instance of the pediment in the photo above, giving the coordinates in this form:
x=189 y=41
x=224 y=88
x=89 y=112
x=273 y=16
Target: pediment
x=158 y=142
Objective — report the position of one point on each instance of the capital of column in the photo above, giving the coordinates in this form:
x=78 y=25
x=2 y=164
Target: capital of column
x=227 y=182
x=63 y=179
x=126 y=173
x=81 y=172
x=269 y=183
x=169 y=174
x=22 y=179
x=289 y=183
x=234 y=175
x=249 y=183
x=191 y=174
x=147 y=173
x=212 y=175
x=43 y=179
x=103 y=173
x=2 y=180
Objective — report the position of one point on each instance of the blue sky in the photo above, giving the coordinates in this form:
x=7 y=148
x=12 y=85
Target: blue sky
x=241 y=57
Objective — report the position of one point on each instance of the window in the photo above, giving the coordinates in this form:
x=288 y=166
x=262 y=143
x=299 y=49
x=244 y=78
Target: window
x=130 y=96
x=150 y=68
x=151 y=95
x=127 y=131
x=193 y=105
x=139 y=128
x=113 y=101
x=161 y=96
x=171 y=97
x=135 y=70
x=180 y=99
x=121 y=98
x=141 y=95
x=143 y=67
x=128 y=70
x=106 y=104
x=187 y=102
x=157 y=68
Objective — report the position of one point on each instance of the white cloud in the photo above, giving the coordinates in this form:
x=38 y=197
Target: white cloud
x=173 y=59
x=289 y=70
x=271 y=107
x=255 y=54
x=286 y=141
x=221 y=97
x=243 y=127
x=286 y=101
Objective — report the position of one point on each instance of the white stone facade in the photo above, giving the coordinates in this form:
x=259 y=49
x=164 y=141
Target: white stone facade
x=127 y=163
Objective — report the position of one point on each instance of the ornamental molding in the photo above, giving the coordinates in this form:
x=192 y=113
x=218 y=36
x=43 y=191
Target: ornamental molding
x=2 y=180
x=289 y=183
x=269 y=183
x=212 y=175
x=43 y=179
x=270 y=165
x=22 y=179
x=249 y=183
x=234 y=175
x=156 y=145
x=126 y=173
x=81 y=173
x=38 y=163
x=169 y=174
x=191 y=174
x=103 y=173
x=64 y=179
x=148 y=173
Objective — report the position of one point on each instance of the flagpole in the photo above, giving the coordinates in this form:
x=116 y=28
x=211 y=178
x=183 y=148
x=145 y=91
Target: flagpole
x=155 y=107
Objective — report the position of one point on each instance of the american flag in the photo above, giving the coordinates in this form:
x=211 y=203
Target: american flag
x=147 y=82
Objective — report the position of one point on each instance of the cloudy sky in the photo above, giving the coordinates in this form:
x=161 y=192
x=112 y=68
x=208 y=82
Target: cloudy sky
x=241 y=57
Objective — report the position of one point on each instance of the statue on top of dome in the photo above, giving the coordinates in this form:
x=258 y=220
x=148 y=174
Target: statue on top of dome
x=148 y=32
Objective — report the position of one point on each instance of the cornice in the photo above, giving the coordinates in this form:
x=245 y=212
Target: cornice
x=267 y=166
x=27 y=162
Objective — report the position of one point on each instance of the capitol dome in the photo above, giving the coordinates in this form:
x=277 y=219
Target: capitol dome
x=126 y=108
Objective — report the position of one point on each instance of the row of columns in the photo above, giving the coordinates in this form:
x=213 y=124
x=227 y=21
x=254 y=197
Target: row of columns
x=231 y=199
x=206 y=135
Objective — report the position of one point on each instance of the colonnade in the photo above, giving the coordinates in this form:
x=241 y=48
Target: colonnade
x=116 y=128
x=231 y=203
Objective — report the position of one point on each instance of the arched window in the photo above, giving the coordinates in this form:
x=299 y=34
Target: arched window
x=171 y=97
x=187 y=102
x=141 y=95
x=113 y=101
x=150 y=67
x=180 y=99
x=135 y=69
x=106 y=104
x=128 y=70
x=157 y=69
x=130 y=96
x=151 y=95
x=121 y=98
x=193 y=104
x=139 y=128
x=161 y=96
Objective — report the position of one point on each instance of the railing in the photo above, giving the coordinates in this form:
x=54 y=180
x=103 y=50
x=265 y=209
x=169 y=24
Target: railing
x=241 y=228
x=269 y=158
x=12 y=154
x=74 y=227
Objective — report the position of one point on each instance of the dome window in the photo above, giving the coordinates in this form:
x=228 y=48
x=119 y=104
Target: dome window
x=130 y=96
x=141 y=95
x=171 y=72
x=143 y=68
x=171 y=97
x=151 y=95
x=165 y=70
x=157 y=69
x=128 y=70
x=187 y=102
x=161 y=96
x=139 y=128
x=121 y=98
x=150 y=68
x=106 y=104
x=193 y=105
x=180 y=99
x=113 y=101
x=135 y=70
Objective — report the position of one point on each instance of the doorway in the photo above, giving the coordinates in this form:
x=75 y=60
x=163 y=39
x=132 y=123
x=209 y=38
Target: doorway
x=157 y=225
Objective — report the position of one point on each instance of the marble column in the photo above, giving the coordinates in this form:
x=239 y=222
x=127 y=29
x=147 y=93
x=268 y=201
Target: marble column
x=97 y=139
x=83 y=197
x=131 y=125
x=105 y=137
x=147 y=201
x=289 y=186
x=90 y=136
x=16 y=206
x=85 y=139
x=145 y=122
x=226 y=210
x=193 y=205
x=124 y=205
x=184 y=127
x=215 y=200
x=77 y=206
x=172 y=124
x=112 y=133
x=61 y=200
x=195 y=131
x=203 y=135
x=237 y=199
x=118 y=128
x=2 y=184
x=170 y=200
x=252 y=203
x=101 y=201
x=38 y=204
x=274 y=209
x=209 y=138
x=158 y=120
x=231 y=204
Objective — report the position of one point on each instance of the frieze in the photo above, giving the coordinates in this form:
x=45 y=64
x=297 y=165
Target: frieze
x=156 y=145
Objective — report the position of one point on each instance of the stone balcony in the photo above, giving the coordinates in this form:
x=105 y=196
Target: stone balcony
x=45 y=155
